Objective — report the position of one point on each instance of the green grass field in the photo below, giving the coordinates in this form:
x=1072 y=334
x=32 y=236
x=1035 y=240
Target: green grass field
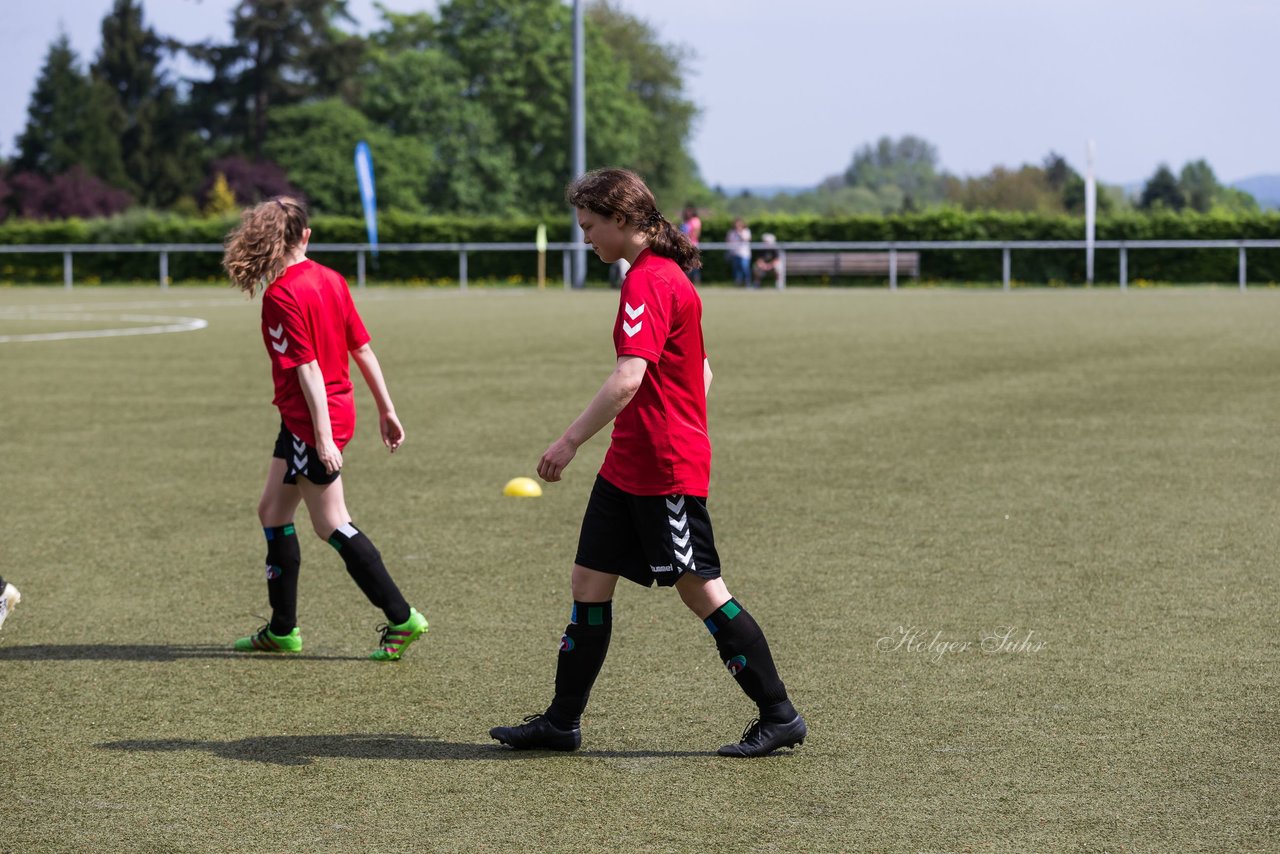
x=899 y=479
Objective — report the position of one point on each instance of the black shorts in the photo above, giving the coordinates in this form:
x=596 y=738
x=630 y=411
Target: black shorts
x=647 y=538
x=300 y=459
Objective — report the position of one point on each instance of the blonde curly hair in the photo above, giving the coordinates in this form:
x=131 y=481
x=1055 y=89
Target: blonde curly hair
x=255 y=251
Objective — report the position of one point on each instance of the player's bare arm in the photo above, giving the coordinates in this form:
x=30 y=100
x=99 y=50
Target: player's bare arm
x=311 y=380
x=388 y=423
x=611 y=399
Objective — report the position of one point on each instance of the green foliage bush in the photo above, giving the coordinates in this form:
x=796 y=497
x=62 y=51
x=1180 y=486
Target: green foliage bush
x=1034 y=266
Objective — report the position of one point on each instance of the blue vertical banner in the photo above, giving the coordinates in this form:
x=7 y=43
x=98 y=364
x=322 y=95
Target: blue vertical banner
x=364 y=176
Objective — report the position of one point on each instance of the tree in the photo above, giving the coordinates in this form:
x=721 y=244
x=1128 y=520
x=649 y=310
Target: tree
x=316 y=144
x=1027 y=189
x=655 y=75
x=283 y=52
x=1199 y=185
x=909 y=163
x=248 y=181
x=159 y=158
x=419 y=95
x=72 y=193
x=515 y=57
x=1162 y=191
x=69 y=122
x=221 y=199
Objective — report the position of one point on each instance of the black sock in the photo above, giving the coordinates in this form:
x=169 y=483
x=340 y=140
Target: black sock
x=582 y=651
x=745 y=652
x=284 y=559
x=364 y=565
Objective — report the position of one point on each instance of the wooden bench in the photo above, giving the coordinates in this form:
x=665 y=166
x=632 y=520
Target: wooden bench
x=801 y=262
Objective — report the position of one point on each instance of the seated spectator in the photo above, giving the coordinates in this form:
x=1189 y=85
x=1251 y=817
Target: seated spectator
x=766 y=262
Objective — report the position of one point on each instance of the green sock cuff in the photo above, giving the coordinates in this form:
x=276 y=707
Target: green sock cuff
x=721 y=616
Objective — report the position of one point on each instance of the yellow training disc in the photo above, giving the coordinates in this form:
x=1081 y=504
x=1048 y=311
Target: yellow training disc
x=522 y=487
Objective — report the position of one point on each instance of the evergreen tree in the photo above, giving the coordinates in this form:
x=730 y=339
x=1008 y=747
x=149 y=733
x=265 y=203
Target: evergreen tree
x=1199 y=185
x=1162 y=191
x=159 y=155
x=69 y=122
x=282 y=52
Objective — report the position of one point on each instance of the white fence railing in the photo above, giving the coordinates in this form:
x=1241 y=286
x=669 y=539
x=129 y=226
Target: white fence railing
x=463 y=250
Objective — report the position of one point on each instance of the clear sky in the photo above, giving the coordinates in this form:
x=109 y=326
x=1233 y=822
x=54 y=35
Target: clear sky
x=789 y=90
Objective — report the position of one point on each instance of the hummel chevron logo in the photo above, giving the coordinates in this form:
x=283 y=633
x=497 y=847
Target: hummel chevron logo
x=680 y=523
x=633 y=313
x=282 y=343
x=685 y=556
x=631 y=330
x=299 y=446
x=299 y=463
x=681 y=542
x=676 y=506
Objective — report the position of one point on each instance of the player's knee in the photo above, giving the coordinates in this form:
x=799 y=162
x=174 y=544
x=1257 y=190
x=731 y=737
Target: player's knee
x=702 y=595
x=589 y=585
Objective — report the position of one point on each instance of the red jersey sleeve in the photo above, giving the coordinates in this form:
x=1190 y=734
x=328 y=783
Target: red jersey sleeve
x=357 y=335
x=644 y=317
x=284 y=328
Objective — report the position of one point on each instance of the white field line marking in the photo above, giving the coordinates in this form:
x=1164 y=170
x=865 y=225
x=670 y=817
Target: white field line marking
x=159 y=326
x=235 y=300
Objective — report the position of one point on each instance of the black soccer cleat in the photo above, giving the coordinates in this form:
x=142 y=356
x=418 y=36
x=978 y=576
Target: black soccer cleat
x=538 y=733
x=763 y=737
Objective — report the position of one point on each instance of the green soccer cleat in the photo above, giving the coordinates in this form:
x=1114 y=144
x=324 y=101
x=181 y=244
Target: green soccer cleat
x=265 y=641
x=396 y=639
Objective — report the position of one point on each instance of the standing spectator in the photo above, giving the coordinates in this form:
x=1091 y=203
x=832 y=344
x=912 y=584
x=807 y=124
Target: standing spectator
x=691 y=227
x=739 y=240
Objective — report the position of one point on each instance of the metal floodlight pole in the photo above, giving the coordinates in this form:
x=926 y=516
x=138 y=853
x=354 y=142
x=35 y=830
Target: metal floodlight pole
x=579 y=138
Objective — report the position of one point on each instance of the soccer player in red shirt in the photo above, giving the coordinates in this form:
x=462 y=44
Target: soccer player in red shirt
x=309 y=327
x=647 y=517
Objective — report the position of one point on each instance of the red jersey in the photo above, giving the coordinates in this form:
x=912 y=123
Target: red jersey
x=660 y=444
x=308 y=315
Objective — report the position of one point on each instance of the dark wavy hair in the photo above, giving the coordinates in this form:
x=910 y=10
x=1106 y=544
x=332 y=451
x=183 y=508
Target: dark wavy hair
x=621 y=192
x=255 y=251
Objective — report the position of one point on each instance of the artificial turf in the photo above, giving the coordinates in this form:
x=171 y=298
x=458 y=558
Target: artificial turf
x=900 y=482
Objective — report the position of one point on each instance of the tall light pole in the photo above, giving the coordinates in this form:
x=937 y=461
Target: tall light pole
x=579 y=137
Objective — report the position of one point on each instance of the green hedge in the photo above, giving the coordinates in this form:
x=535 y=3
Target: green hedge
x=1032 y=267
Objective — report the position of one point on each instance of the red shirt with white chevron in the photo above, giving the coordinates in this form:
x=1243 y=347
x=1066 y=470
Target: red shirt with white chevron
x=308 y=315
x=660 y=443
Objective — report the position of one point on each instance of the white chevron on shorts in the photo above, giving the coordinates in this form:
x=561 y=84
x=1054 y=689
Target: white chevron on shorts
x=299 y=463
x=299 y=446
x=679 y=521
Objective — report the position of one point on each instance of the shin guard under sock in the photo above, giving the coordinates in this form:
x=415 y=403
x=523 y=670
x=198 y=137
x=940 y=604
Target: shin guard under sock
x=364 y=565
x=744 y=650
x=582 y=650
x=284 y=559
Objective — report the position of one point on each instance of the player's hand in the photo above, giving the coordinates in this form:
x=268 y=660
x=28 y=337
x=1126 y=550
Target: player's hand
x=392 y=432
x=330 y=456
x=555 y=459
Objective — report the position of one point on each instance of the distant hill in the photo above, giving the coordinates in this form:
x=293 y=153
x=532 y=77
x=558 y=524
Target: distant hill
x=1264 y=188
